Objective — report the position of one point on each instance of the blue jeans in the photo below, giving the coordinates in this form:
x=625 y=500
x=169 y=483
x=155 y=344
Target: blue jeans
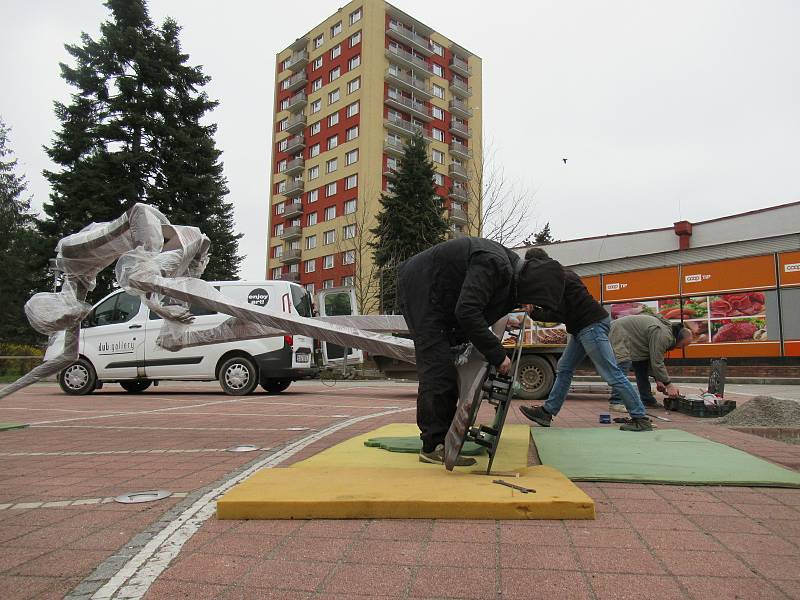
x=641 y=368
x=592 y=341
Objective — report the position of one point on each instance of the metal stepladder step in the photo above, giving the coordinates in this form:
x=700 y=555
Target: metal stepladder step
x=497 y=390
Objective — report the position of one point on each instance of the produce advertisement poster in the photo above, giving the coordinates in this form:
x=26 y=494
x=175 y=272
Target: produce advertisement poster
x=537 y=332
x=722 y=318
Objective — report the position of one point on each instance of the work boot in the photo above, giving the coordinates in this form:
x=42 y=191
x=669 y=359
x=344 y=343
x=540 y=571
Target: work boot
x=537 y=414
x=437 y=457
x=637 y=424
x=617 y=407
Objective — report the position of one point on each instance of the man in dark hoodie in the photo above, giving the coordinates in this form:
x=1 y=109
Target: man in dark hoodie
x=588 y=324
x=452 y=293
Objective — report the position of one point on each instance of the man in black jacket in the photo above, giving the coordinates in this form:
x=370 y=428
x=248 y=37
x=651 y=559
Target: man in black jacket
x=452 y=293
x=588 y=324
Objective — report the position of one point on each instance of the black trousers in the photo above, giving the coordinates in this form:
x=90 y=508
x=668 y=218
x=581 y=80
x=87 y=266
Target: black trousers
x=437 y=395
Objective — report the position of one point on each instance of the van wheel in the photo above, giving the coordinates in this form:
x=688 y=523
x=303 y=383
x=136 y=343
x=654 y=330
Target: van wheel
x=78 y=379
x=275 y=386
x=136 y=386
x=238 y=376
x=536 y=378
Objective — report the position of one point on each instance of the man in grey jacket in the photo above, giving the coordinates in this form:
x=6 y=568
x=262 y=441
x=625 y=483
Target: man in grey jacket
x=641 y=341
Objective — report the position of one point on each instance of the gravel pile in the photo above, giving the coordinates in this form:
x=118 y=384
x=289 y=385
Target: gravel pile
x=764 y=411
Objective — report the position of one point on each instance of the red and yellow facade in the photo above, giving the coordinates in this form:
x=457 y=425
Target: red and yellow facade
x=348 y=95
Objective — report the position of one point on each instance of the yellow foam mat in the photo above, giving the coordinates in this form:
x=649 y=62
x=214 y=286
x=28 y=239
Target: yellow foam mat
x=351 y=481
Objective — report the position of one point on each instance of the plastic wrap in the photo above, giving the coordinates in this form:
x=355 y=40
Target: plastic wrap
x=51 y=312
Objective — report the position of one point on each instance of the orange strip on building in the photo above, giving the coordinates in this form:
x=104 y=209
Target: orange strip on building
x=791 y=348
x=593 y=285
x=753 y=272
x=734 y=349
x=641 y=285
x=789 y=267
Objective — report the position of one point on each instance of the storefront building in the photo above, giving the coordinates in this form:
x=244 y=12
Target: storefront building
x=735 y=281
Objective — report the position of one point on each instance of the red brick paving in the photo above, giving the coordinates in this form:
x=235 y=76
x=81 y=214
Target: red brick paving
x=648 y=541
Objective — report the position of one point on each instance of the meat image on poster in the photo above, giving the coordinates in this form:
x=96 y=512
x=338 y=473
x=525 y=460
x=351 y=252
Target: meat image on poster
x=537 y=332
x=624 y=309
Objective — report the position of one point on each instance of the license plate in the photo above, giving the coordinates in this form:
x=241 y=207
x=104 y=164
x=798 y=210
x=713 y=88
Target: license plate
x=304 y=358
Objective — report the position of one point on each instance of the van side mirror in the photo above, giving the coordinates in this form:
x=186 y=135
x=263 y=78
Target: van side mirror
x=88 y=321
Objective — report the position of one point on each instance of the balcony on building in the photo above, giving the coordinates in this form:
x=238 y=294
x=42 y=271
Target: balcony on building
x=460 y=66
x=291 y=233
x=295 y=209
x=295 y=144
x=460 y=109
x=296 y=123
x=457 y=215
x=290 y=256
x=461 y=89
x=300 y=43
x=460 y=129
x=460 y=150
x=409 y=105
x=393 y=146
x=404 y=127
x=289 y=276
x=458 y=193
x=413 y=85
x=406 y=35
x=298 y=61
x=296 y=102
x=458 y=172
x=456 y=232
x=407 y=59
x=294 y=166
x=294 y=188
x=297 y=81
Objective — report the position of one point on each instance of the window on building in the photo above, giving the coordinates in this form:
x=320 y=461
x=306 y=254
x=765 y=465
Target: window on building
x=282 y=124
x=334 y=74
x=279 y=230
x=333 y=119
x=313 y=196
x=313 y=172
x=354 y=85
x=283 y=144
x=437 y=70
x=330 y=213
x=334 y=96
x=276 y=272
x=336 y=29
x=347 y=280
x=437 y=113
x=348 y=257
x=351 y=133
x=349 y=232
x=355 y=39
x=316 y=106
x=437 y=134
x=316 y=64
x=438 y=179
x=295 y=268
x=351 y=181
x=277 y=251
x=327 y=284
x=313 y=151
x=311 y=242
x=349 y=207
x=438 y=91
x=311 y=219
x=352 y=109
x=329 y=237
x=330 y=190
x=354 y=62
x=333 y=141
x=437 y=48
x=285 y=104
x=336 y=51
x=310 y=265
x=315 y=128
x=438 y=157
x=319 y=40
x=282 y=166
x=351 y=157
x=327 y=263
x=281 y=187
x=285 y=84
x=316 y=84
x=309 y=287
x=331 y=165
x=355 y=16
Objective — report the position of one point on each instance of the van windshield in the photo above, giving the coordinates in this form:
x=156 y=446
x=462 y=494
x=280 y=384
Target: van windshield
x=301 y=300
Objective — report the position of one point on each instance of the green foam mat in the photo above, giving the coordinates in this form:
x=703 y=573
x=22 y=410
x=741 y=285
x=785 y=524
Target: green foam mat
x=6 y=426
x=412 y=445
x=669 y=456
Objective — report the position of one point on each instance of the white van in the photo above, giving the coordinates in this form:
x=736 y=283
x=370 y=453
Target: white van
x=118 y=344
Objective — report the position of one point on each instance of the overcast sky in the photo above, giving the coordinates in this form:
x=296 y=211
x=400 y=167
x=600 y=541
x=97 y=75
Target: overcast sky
x=664 y=110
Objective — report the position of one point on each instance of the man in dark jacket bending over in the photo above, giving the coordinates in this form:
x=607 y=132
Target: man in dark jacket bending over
x=452 y=293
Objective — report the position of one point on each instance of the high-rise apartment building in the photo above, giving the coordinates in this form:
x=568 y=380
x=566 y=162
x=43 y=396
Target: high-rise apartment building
x=348 y=95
